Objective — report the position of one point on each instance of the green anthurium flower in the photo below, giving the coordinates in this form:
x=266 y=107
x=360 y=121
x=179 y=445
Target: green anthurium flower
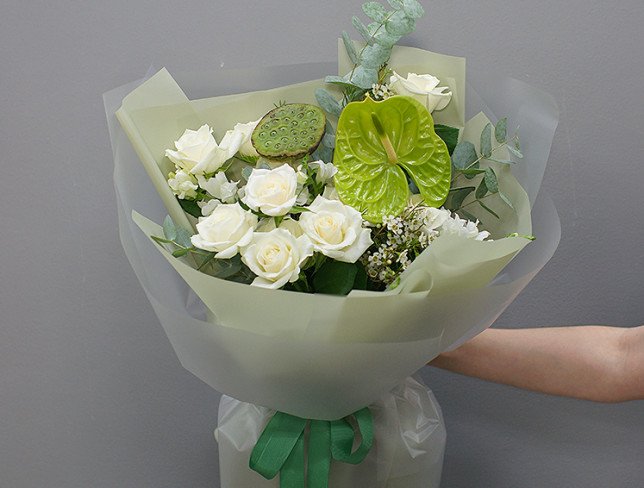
x=379 y=144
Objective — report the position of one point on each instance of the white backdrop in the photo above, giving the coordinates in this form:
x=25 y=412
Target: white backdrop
x=91 y=394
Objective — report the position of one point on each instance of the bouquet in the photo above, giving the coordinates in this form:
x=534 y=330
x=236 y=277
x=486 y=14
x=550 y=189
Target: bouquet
x=338 y=233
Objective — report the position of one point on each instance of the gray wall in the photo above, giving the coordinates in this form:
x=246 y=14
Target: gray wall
x=91 y=394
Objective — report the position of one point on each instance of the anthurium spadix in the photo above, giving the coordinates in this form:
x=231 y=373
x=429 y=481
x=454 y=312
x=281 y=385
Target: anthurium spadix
x=379 y=145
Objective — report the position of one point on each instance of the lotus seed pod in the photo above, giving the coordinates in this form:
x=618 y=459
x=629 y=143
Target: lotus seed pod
x=289 y=132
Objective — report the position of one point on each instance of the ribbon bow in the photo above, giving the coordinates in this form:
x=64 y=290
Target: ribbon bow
x=280 y=448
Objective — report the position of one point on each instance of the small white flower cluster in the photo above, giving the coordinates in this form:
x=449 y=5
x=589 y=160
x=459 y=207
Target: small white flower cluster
x=381 y=91
x=399 y=240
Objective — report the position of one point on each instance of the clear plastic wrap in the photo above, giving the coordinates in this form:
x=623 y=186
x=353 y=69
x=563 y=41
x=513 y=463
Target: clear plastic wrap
x=408 y=445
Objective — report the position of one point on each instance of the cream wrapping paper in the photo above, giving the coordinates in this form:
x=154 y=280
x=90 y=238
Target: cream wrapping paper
x=407 y=453
x=317 y=356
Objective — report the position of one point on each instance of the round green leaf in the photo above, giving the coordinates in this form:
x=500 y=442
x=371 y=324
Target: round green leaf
x=377 y=145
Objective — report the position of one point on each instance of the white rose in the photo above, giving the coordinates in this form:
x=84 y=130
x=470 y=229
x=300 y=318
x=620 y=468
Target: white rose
x=246 y=130
x=207 y=207
x=268 y=224
x=463 y=228
x=276 y=256
x=198 y=152
x=423 y=88
x=330 y=193
x=183 y=184
x=271 y=191
x=225 y=230
x=336 y=230
x=219 y=187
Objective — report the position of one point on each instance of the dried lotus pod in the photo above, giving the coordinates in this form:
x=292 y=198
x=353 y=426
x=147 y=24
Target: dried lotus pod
x=289 y=132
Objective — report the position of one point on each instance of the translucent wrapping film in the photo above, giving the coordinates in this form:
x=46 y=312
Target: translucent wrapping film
x=408 y=445
x=320 y=356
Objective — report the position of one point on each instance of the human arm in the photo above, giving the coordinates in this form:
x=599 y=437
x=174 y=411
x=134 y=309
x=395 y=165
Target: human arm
x=604 y=364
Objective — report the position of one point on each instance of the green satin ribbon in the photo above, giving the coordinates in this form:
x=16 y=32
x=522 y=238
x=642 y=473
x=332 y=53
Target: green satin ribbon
x=280 y=448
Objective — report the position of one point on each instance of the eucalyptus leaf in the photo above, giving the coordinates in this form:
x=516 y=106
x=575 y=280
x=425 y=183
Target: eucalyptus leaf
x=501 y=161
x=491 y=180
x=486 y=141
x=515 y=151
x=449 y=136
x=472 y=172
x=399 y=24
x=328 y=140
x=328 y=102
x=374 y=11
x=501 y=130
x=386 y=39
x=457 y=196
x=190 y=207
x=246 y=172
x=183 y=237
x=506 y=199
x=350 y=48
x=363 y=77
x=396 y=4
x=225 y=268
x=335 y=278
x=465 y=214
x=464 y=155
x=169 y=229
x=360 y=27
x=488 y=209
x=413 y=9
x=481 y=190
x=375 y=56
x=342 y=81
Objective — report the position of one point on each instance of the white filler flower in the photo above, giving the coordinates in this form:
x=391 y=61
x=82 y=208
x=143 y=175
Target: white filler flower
x=225 y=230
x=336 y=230
x=271 y=191
x=198 y=152
x=276 y=256
x=423 y=88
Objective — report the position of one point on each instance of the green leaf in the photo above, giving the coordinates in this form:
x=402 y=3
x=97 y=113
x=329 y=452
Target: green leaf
x=361 y=281
x=457 y=196
x=488 y=209
x=183 y=237
x=482 y=189
x=386 y=39
x=506 y=199
x=379 y=144
x=400 y=25
x=350 y=48
x=180 y=252
x=328 y=140
x=169 y=229
x=396 y=4
x=161 y=240
x=464 y=155
x=472 y=172
x=360 y=27
x=341 y=81
x=465 y=214
x=363 y=77
x=515 y=151
x=190 y=207
x=375 y=56
x=374 y=11
x=413 y=9
x=501 y=130
x=491 y=180
x=449 y=135
x=327 y=102
x=335 y=278
x=486 y=141
x=225 y=268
